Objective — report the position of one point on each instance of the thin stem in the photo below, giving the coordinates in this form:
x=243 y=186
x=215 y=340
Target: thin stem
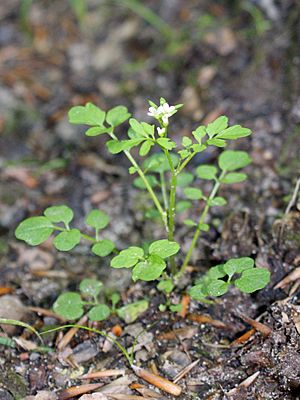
x=171 y=208
x=89 y=238
x=6 y=321
x=200 y=222
x=153 y=196
x=185 y=162
x=112 y=339
x=182 y=165
x=83 y=235
x=164 y=190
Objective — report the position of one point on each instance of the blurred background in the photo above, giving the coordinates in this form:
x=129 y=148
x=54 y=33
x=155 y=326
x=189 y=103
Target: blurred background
x=240 y=58
x=233 y=57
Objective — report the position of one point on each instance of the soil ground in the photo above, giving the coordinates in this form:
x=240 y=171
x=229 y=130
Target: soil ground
x=238 y=58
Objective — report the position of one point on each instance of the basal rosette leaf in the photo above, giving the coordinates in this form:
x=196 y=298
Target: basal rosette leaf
x=58 y=214
x=100 y=312
x=69 y=306
x=217 y=288
x=34 y=230
x=90 y=287
x=130 y=312
x=103 y=248
x=67 y=240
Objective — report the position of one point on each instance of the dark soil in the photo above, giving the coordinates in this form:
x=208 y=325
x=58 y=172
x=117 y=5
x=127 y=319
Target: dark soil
x=238 y=58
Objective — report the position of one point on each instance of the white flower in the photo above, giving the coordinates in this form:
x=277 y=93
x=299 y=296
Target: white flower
x=161 y=131
x=167 y=109
x=162 y=113
x=165 y=119
x=153 y=112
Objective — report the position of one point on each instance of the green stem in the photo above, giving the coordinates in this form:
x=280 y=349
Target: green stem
x=153 y=196
x=171 y=208
x=112 y=339
x=200 y=222
x=83 y=235
x=6 y=321
x=164 y=190
x=185 y=162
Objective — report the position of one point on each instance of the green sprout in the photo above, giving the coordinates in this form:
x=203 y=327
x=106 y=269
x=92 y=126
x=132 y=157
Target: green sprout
x=72 y=305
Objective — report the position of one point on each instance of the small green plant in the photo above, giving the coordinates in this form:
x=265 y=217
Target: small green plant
x=72 y=305
x=239 y=272
x=162 y=174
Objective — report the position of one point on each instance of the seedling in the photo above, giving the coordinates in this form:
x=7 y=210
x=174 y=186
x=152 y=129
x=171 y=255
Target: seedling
x=72 y=305
x=239 y=272
x=162 y=174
